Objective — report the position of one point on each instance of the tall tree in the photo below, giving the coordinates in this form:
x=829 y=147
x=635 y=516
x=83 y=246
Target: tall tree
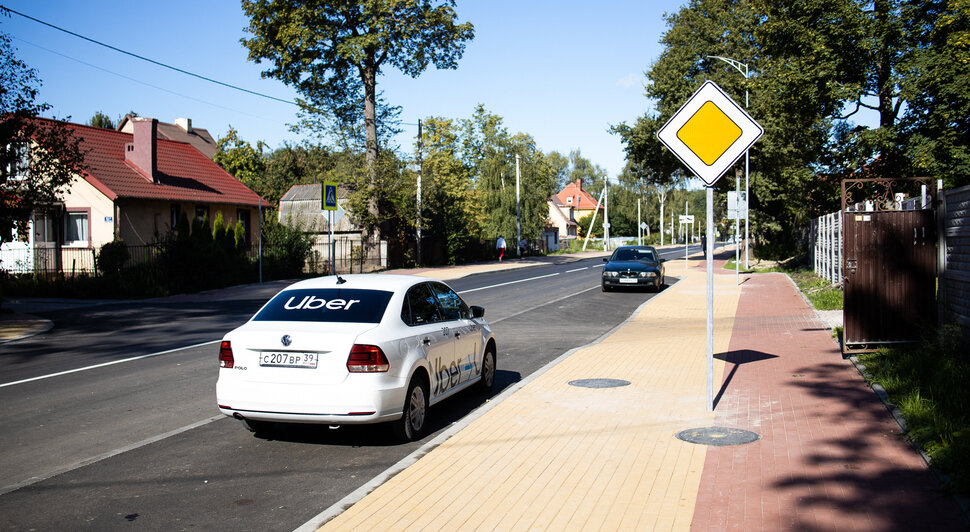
x=101 y=120
x=38 y=158
x=242 y=160
x=936 y=86
x=450 y=201
x=489 y=150
x=333 y=52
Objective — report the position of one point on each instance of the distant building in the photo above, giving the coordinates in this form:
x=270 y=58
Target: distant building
x=571 y=204
x=180 y=131
x=302 y=208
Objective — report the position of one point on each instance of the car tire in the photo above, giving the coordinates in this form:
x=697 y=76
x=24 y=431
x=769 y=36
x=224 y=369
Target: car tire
x=487 y=381
x=415 y=414
x=606 y=288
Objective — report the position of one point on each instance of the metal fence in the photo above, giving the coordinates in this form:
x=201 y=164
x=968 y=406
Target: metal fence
x=825 y=249
x=349 y=256
x=954 y=256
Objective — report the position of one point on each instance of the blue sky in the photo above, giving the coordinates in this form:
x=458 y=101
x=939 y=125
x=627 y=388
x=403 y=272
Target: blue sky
x=562 y=71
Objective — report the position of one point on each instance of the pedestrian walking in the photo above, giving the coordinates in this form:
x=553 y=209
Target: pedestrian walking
x=500 y=246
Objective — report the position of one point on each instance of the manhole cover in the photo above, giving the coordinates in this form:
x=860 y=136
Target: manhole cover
x=718 y=436
x=599 y=383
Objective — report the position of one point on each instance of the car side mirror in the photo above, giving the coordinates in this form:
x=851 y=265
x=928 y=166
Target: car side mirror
x=606 y=259
x=663 y=261
x=477 y=312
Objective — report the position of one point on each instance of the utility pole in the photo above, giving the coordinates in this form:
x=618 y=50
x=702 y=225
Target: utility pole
x=417 y=226
x=518 y=211
x=606 y=215
x=746 y=73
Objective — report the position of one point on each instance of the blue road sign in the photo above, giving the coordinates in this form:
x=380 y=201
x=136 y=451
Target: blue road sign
x=329 y=196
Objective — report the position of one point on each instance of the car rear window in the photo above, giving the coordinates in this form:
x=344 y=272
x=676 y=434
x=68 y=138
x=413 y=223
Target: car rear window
x=326 y=305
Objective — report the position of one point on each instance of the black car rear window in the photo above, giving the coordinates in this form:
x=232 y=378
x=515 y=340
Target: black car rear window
x=326 y=305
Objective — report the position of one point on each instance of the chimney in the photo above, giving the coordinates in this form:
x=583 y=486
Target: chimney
x=142 y=153
x=184 y=123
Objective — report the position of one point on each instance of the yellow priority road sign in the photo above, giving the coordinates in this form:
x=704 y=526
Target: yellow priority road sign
x=710 y=132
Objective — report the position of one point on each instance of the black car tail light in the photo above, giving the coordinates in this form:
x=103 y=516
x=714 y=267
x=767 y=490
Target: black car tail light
x=367 y=359
x=225 y=355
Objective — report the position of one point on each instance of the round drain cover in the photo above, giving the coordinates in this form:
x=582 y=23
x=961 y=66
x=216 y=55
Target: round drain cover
x=599 y=383
x=718 y=436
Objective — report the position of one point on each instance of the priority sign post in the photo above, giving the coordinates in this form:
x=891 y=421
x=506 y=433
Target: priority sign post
x=709 y=134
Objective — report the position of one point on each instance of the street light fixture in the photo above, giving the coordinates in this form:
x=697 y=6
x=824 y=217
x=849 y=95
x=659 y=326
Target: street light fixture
x=743 y=69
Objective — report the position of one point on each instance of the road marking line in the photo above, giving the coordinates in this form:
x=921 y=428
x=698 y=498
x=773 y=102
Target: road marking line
x=508 y=283
x=490 y=322
x=104 y=456
x=577 y=269
x=4 y=385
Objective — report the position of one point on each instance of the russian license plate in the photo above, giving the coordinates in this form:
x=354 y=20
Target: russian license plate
x=289 y=360
x=629 y=281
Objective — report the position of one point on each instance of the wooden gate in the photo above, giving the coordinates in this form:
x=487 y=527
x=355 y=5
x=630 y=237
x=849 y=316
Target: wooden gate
x=889 y=265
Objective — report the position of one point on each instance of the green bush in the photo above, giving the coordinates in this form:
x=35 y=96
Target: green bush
x=112 y=257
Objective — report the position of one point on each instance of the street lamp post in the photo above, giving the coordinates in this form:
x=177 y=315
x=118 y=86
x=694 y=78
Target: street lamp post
x=738 y=66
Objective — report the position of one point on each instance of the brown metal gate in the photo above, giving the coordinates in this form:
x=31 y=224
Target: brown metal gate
x=889 y=269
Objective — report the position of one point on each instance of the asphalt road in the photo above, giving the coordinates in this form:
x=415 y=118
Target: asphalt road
x=141 y=442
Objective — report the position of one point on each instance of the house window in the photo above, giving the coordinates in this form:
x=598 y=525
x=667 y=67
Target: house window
x=19 y=165
x=176 y=213
x=76 y=229
x=43 y=229
x=569 y=200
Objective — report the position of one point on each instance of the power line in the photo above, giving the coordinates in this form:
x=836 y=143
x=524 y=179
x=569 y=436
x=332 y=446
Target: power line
x=140 y=82
x=170 y=67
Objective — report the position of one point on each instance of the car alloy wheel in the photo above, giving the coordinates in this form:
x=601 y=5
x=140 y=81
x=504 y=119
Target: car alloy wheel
x=488 y=372
x=409 y=427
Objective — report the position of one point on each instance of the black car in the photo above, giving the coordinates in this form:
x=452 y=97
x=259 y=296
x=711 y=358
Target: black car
x=633 y=266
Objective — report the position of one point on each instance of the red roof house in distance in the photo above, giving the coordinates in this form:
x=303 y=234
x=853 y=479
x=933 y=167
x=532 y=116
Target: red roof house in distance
x=135 y=187
x=569 y=205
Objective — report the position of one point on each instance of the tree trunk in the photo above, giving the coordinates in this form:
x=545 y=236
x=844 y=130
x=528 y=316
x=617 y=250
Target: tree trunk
x=369 y=78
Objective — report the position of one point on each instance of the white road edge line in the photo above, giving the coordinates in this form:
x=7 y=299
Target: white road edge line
x=355 y=496
x=4 y=385
x=508 y=283
x=109 y=454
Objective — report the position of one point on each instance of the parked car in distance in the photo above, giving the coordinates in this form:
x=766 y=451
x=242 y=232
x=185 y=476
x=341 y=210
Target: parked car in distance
x=355 y=349
x=631 y=266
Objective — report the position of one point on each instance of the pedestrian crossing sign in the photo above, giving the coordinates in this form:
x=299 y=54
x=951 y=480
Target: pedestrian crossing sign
x=329 y=196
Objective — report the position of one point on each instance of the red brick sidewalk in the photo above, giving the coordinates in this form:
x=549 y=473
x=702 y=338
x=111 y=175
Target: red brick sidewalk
x=831 y=457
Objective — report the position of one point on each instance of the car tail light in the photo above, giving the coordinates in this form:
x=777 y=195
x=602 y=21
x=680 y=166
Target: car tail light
x=366 y=359
x=225 y=355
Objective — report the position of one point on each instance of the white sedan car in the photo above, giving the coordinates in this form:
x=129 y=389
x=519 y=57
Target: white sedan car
x=355 y=349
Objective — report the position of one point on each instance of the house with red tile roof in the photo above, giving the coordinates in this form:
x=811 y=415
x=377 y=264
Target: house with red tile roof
x=134 y=188
x=571 y=204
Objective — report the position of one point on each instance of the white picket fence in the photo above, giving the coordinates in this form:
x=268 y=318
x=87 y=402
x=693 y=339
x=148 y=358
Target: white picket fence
x=826 y=247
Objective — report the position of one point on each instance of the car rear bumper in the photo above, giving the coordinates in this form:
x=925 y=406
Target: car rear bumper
x=309 y=403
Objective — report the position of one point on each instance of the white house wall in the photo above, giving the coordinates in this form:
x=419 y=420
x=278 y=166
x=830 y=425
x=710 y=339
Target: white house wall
x=82 y=195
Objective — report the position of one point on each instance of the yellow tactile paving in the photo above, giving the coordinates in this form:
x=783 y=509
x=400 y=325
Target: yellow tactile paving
x=557 y=457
